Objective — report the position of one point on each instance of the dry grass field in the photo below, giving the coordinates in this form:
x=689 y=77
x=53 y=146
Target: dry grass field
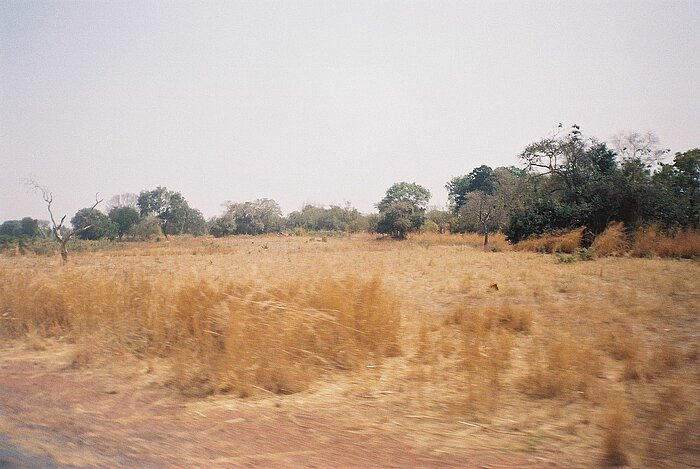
x=432 y=341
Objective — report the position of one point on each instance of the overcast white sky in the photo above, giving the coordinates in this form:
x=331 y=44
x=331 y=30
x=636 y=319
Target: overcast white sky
x=321 y=101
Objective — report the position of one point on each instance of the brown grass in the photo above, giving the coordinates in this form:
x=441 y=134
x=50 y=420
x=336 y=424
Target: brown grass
x=612 y=241
x=497 y=241
x=563 y=367
x=651 y=241
x=222 y=334
x=615 y=435
x=408 y=337
x=567 y=242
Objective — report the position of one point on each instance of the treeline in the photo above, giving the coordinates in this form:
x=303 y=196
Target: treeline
x=565 y=182
x=569 y=182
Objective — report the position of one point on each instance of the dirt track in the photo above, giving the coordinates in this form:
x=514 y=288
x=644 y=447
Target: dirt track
x=56 y=417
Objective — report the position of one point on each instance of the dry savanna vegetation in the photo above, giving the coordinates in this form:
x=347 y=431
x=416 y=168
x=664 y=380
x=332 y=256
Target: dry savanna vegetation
x=433 y=340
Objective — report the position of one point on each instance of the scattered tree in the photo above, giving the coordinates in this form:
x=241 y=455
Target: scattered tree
x=482 y=213
x=248 y=218
x=169 y=206
x=402 y=210
x=97 y=224
x=61 y=234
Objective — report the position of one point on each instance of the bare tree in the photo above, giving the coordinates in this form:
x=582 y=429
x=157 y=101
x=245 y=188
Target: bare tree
x=482 y=212
x=643 y=147
x=62 y=235
x=122 y=200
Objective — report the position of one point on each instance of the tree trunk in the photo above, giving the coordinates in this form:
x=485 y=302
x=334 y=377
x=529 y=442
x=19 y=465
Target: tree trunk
x=64 y=251
x=486 y=237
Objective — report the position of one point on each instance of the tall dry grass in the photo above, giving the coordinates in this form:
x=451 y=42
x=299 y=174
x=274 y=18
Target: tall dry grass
x=406 y=335
x=567 y=242
x=219 y=334
x=612 y=241
x=497 y=240
x=651 y=241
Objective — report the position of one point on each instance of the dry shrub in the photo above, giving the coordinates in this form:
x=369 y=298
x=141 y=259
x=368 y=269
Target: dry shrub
x=616 y=420
x=650 y=241
x=645 y=239
x=681 y=243
x=612 y=241
x=563 y=366
x=280 y=340
x=567 y=242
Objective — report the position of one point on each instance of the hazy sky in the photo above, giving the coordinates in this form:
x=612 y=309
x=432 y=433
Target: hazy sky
x=320 y=101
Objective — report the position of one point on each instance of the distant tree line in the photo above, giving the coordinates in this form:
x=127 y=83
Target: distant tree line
x=565 y=181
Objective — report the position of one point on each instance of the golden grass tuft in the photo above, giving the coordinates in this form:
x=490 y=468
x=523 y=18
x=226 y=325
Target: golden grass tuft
x=567 y=242
x=612 y=241
x=651 y=241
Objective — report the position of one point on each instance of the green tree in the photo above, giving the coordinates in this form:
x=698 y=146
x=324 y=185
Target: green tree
x=169 y=206
x=334 y=218
x=124 y=218
x=441 y=218
x=11 y=228
x=249 y=218
x=195 y=223
x=479 y=179
x=402 y=210
x=400 y=218
x=30 y=227
x=410 y=192
x=89 y=223
x=678 y=186
x=576 y=182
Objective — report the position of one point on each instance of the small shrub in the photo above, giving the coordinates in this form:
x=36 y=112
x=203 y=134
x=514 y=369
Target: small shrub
x=565 y=258
x=584 y=254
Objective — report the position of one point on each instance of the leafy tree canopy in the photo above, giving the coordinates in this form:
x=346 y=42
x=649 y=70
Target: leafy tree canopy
x=92 y=224
x=402 y=210
x=123 y=217
x=410 y=192
x=169 y=206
